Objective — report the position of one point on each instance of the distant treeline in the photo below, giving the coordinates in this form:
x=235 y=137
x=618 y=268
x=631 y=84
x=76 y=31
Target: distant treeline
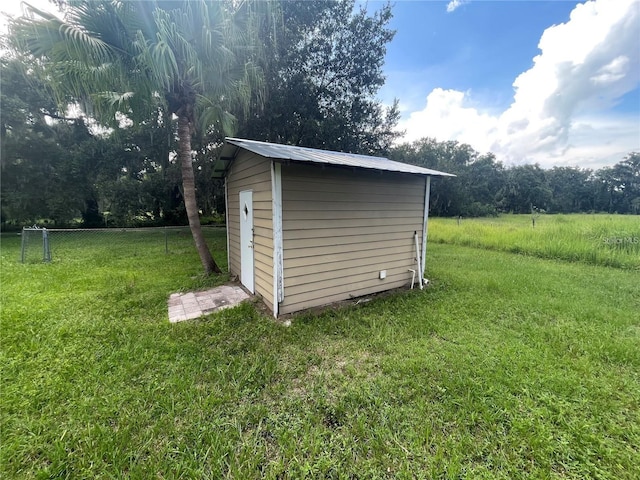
x=484 y=186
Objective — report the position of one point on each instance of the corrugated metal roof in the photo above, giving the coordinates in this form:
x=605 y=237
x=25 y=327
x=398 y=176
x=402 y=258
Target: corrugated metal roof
x=326 y=157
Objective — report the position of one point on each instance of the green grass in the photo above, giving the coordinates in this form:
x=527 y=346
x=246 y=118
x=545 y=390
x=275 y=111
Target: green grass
x=610 y=240
x=507 y=366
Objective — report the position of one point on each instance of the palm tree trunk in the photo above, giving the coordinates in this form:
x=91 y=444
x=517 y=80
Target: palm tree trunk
x=189 y=187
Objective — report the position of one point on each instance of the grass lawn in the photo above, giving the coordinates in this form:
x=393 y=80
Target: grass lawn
x=507 y=366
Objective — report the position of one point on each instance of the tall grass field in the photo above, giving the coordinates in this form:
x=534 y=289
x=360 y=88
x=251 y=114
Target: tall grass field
x=610 y=240
x=508 y=366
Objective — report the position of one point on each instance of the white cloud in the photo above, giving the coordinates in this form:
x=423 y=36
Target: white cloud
x=446 y=117
x=453 y=4
x=612 y=72
x=585 y=65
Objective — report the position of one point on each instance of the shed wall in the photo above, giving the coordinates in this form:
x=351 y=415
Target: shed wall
x=341 y=227
x=252 y=172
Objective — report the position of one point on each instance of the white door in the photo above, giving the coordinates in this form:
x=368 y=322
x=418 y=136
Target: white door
x=246 y=239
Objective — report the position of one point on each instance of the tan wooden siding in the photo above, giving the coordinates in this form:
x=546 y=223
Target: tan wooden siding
x=353 y=214
x=310 y=302
x=320 y=232
x=347 y=239
x=312 y=188
x=341 y=227
x=351 y=206
x=339 y=224
x=299 y=266
x=363 y=255
x=252 y=172
x=374 y=247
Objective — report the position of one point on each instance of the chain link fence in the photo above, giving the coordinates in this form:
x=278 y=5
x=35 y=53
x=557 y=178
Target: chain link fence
x=60 y=245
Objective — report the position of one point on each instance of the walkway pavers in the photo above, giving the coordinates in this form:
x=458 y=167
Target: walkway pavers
x=186 y=306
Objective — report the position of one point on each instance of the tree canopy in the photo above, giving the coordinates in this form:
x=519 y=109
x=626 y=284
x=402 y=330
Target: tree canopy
x=323 y=73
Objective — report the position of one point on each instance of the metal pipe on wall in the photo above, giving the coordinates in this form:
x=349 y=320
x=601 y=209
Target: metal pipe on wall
x=419 y=262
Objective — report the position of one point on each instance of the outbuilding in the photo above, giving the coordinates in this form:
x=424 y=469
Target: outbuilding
x=308 y=227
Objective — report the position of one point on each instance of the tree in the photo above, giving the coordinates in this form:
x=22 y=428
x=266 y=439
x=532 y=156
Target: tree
x=526 y=188
x=571 y=190
x=478 y=177
x=140 y=183
x=50 y=164
x=58 y=170
x=323 y=73
x=618 y=187
x=627 y=174
x=483 y=179
x=190 y=59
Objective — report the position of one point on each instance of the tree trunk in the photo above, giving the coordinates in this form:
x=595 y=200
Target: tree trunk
x=189 y=187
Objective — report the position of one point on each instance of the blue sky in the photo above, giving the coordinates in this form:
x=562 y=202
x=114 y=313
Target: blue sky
x=483 y=46
x=555 y=83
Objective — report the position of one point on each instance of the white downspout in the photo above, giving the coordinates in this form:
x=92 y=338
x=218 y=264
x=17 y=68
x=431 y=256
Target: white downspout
x=425 y=226
x=418 y=261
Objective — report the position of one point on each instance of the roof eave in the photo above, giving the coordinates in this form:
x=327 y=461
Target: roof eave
x=283 y=153
x=227 y=155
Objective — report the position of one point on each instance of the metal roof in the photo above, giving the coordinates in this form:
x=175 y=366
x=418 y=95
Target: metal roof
x=312 y=155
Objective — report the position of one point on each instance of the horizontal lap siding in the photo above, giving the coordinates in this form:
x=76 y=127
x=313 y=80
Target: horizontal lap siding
x=341 y=227
x=252 y=172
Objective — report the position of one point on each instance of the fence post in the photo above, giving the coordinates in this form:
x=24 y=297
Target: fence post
x=46 y=252
x=23 y=242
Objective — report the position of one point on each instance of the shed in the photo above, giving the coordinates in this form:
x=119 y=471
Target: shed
x=308 y=227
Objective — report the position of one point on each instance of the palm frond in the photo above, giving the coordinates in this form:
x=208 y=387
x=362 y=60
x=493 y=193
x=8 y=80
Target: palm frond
x=115 y=99
x=214 y=116
x=157 y=49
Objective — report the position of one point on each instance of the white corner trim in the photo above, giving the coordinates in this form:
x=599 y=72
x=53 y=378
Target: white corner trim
x=425 y=223
x=276 y=207
x=226 y=220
